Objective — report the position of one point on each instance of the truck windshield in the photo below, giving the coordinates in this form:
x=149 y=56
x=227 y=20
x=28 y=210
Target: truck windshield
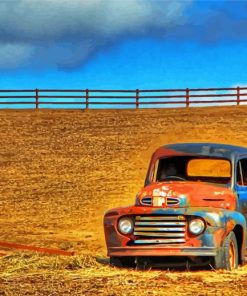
x=189 y=168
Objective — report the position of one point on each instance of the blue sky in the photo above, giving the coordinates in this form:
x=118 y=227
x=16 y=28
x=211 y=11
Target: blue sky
x=122 y=44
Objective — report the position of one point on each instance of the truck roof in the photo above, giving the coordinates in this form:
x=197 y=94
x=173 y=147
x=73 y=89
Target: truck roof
x=204 y=149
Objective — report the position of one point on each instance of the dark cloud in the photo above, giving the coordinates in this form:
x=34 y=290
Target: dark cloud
x=66 y=33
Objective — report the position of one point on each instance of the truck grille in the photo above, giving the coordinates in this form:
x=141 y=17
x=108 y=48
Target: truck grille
x=147 y=201
x=172 y=201
x=159 y=229
x=169 y=201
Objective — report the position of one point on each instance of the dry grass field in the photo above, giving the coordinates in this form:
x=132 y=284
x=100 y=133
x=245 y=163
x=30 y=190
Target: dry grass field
x=61 y=170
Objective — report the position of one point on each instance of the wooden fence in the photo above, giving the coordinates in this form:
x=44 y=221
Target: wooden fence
x=85 y=98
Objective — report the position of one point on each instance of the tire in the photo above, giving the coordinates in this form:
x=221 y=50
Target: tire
x=227 y=257
x=122 y=261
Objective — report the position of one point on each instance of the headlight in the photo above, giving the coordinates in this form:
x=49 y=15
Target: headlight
x=126 y=225
x=196 y=226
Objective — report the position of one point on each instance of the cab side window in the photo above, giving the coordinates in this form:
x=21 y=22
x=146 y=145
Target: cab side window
x=242 y=172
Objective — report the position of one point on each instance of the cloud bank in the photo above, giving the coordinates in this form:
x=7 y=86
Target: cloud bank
x=67 y=33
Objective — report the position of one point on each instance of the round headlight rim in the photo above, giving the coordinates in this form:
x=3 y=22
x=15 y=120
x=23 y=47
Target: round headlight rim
x=132 y=225
x=193 y=220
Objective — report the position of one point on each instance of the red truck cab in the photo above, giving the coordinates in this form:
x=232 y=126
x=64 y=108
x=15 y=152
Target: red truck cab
x=192 y=210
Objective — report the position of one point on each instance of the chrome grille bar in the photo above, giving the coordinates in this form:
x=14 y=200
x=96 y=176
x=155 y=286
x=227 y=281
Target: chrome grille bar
x=166 y=229
x=150 y=223
x=162 y=218
x=159 y=241
x=172 y=201
x=180 y=229
x=146 y=201
x=159 y=234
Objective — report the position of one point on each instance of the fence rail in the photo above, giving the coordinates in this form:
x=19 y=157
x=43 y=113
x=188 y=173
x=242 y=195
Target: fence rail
x=103 y=98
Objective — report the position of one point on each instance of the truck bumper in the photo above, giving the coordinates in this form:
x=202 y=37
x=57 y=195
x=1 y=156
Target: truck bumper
x=162 y=251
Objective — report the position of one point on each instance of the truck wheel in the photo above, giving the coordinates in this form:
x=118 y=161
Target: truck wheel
x=122 y=261
x=227 y=258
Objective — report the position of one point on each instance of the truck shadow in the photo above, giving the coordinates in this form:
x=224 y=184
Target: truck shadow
x=161 y=264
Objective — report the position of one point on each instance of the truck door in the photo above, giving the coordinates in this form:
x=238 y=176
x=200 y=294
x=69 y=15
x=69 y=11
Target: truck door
x=241 y=186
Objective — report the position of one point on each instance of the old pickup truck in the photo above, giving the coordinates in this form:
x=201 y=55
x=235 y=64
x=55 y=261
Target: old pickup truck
x=192 y=210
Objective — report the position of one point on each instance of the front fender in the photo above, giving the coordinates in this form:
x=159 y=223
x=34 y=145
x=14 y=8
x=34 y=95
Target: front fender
x=223 y=222
x=216 y=217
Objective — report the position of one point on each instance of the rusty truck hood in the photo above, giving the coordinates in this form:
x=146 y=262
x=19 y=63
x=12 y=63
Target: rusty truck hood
x=187 y=194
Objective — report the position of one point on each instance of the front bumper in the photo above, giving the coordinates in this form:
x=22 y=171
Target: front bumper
x=162 y=251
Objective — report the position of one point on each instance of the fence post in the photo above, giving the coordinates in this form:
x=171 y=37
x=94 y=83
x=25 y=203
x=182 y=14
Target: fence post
x=137 y=99
x=187 y=95
x=238 y=95
x=36 y=98
x=87 y=97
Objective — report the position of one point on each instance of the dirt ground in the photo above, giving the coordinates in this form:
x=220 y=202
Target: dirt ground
x=61 y=170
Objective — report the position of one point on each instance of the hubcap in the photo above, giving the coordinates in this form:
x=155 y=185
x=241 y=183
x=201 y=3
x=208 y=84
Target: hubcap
x=232 y=255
